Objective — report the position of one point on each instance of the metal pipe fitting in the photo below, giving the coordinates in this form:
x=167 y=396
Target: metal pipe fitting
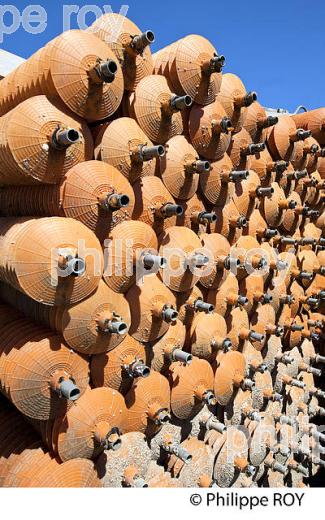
x=238 y=175
x=170 y=210
x=62 y=138
x=141 y=41
x=106 y=71
x=149 y=261
x=200 y=305
x=169 y=315
x=69 y=390
x=181 y=356
x=178 y=103
x=146 y=153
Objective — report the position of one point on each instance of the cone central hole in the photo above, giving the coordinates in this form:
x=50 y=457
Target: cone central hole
x=122 y=328
x=73 y=135
x=116 y=444
x=188 y=101
x=161 y=150
x=146 y=372
x=179 y=210
x=74 y=394
x=78 y=266
x=150 y=36
x=125 y=200
x=112 y=66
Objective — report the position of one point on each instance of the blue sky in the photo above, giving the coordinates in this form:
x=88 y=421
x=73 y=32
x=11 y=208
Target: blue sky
x=277 y=47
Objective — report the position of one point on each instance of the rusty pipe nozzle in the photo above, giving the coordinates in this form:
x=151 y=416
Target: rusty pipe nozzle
x=280 y=166
x=238 y=175
x=178 y=103
x=106 y=71
x=141 y=41
x=264 y=192
x=205 y=216
x=114 y=201
x=253 y=149
x=69 y=390
x=246 y=100
x=256 y=336
x=71 y=265
x=149 y=261
x=267 y=122
x=198 y=260
x=170 y=210
x=215 y=64
x=300 y=174
x=137 y=369
x=288 y=241
x=62 y=138
x=302 y=134
x=198 y=166
x=146 y=153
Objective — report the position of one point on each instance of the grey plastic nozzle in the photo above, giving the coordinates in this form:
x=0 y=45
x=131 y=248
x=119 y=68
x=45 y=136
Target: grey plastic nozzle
x=292 y=204
x=256 y=336
x=303 y=134
x=146 y=153
x=106 y=71
x=139 y=482
x=264 y=192
x=281 y=468
x=138 y=369
x=300 y=174
x=307 y=241
x=321 y=294
x=319 y=359
x=225 y=125
x=288 y=360
x=288 y=299
x=270 y=233
x=269 y=121
x=150 y=261
x=319 y=462
x=250 y=98
x=141 y=41
x=315 y=371
x=231 y=263
x=176 y=449
x=318 y=436
x=262 y=368
x=178 y=103
x=200 y=305
x=285 y=419
x=169 y=315
x=288 y=241
x=171 y=210
x=226 y=344
x=248 y=384
x=313 y=213
x=267 y=298
x=297 y=384
x=117 y=201
x=250 y=470
x=213 y=424
x=117 y=327
x=206 y=216
x=242 y=300
x=280 y=166
x=163 y=417
x=305 y=275
x=239 y=175
x=254 y=416
x=281 y=265
x=312 y=301
x=200 y=166
x=69 y=390
x=209 y=398
x=199 y=260
x=181 y=356
x=242 y=222
x=63 y=138
x=296 y=328
x=215 y=64
x=277 y=397
x=113 y=440
x=74 y=266
x=254 y=148
x=321 y=241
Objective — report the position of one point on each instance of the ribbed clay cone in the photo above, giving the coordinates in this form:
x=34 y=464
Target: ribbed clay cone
x=232 y=459
x=154 y=205
x=191 y=387
x=267 y=169
x=95 y=423
x=283 y=137
x=92 y=84
x=76 y=473
x=306 y=155
x=239 y=150
x=234 y=99
x=257 y=122
x=47 y=261
x=148 y=404
x=208 y=336
x=28 y=463
x=40 y=143
x=185 y=258
x=229 y=375
x=165 y=350
x=194 y=215
x=230 y=223
x=130 y=46
x=127 y=244
x=181 y=168
x=258 y=228
x=217 y=185
x=118 y=368
x=186 y=304
x=41 y=372
x=226 y=295
x=209 y=130
x=123 y=145
x=92 y=326
x=153 y=110
x=313 y=120
x=127 y=466
x=194 y=68
x=201 y=462
x=273 y=206
x=237 y=321
x=263 y=322
x=153 y=309
x=250 y=255
x=246 y=194
x=308 y=262
x=219 y=254
x=292 y=217
x=252 y=288
x=91 y=192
